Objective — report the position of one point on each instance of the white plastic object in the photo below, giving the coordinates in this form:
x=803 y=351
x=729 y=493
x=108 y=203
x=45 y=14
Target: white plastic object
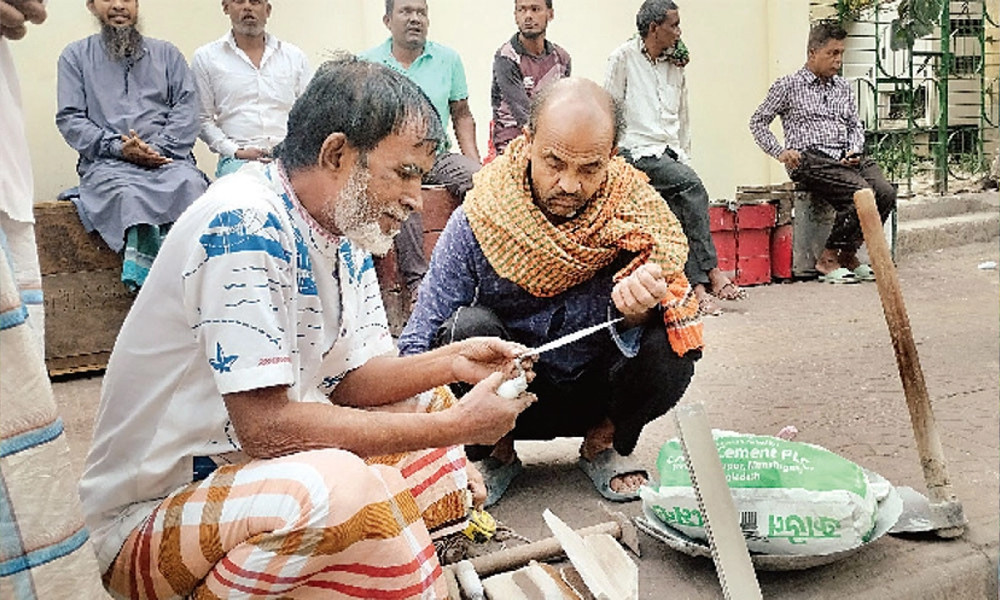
x=512 y=388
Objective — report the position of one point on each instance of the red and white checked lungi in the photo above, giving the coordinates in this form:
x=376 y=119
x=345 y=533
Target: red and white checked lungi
x=318 y=524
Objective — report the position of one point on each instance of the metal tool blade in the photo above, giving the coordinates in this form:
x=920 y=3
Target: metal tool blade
x=569 y=339
x=729 y=549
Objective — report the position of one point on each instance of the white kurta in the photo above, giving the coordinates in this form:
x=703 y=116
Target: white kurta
x=654 y=97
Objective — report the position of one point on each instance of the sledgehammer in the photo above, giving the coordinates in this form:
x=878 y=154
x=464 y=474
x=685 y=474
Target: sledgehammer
x=946 y=517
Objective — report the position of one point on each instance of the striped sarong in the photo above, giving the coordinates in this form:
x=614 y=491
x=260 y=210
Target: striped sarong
x=18 y=240
x=44 y=547
x=318 y=524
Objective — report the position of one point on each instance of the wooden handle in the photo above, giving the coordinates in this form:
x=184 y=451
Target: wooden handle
x=917 y=400
x=518 y=556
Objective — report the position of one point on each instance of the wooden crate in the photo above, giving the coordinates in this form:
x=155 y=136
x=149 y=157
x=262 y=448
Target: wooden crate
x=85 y=300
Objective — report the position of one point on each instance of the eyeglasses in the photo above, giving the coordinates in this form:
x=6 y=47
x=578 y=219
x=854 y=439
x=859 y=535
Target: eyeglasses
x=250 y=2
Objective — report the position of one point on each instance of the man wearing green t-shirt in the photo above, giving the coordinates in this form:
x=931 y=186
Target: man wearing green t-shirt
x=439 y=72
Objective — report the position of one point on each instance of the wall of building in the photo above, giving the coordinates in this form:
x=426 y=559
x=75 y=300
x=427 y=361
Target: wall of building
x=737 y=48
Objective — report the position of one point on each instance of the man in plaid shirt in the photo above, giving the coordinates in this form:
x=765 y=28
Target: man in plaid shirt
x=823 y=149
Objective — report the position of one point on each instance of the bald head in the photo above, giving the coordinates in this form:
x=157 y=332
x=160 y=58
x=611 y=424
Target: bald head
x=572 y=135
x=577 y=100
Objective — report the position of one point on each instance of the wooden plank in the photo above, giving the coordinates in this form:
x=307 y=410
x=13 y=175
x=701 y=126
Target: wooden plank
x=759 y=197
x=608 y=572
x=83 y=313
x=533 y=582
x=83 y=363
x=729 y=548
x=787 y=185
x=64 y=246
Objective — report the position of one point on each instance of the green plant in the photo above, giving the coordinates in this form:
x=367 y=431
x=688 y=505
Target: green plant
x=916 y=18
x=971 y=163
x=892 y=151
x=850 y=10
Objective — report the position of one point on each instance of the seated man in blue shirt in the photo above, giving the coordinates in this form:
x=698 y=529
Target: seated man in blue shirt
x=558 y=234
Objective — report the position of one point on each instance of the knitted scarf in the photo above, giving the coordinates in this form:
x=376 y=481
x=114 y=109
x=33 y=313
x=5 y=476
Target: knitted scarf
x=544 y=259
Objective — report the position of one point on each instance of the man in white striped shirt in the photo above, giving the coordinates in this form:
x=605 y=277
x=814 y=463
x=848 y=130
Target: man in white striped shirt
x=247 y=82
x=824 y=148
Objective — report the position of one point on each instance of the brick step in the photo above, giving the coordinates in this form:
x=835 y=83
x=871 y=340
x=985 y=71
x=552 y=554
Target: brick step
x=921 y=235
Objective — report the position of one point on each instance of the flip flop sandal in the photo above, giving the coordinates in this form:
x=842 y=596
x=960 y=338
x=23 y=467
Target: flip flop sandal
x=607 y=465
x=737 y=292
x=841 y=275
x=864 y=273
x=708 y=308
x=497 y=476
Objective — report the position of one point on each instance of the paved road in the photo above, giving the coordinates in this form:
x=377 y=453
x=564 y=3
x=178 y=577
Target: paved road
x=819 y=357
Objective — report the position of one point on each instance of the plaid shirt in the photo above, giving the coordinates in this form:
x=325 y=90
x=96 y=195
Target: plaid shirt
x=815 y=115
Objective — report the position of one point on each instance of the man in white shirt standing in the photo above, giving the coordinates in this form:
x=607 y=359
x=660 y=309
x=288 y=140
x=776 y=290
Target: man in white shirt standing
x=247 y=82
x=646 y=76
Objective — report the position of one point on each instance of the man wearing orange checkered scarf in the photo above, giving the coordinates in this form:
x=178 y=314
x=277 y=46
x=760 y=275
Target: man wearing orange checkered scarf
x=558 y=234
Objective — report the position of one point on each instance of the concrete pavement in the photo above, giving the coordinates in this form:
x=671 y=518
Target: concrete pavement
x=819 y=357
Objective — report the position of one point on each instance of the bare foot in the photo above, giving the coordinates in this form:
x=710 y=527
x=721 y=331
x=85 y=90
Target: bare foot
x=723 y=287
x=828 y=261
x=599 y=439
x=504 y=450
x=707 y=306
x=477 y=486
x=849 y=259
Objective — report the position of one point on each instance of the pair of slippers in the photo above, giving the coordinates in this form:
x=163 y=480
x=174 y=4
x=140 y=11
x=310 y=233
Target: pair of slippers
x=845 y=275
x=606 y=466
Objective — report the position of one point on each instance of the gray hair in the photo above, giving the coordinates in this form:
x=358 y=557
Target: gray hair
x=823 y=32
x=542 y=98
x=363 y=100
x=652 y=12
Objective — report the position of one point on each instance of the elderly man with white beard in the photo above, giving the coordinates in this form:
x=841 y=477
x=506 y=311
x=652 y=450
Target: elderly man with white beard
x=128 y=106
x=257 y=433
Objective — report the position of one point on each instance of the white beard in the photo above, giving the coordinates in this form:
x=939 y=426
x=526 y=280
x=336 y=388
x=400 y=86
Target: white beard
x=354 y=215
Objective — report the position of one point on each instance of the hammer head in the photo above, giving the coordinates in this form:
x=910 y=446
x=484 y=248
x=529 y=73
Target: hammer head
x=628 y=534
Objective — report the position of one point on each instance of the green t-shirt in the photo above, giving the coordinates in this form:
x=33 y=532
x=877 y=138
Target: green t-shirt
x=438 y=72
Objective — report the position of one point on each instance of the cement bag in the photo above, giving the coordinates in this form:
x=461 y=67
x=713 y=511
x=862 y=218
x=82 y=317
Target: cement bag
x=793 y=498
